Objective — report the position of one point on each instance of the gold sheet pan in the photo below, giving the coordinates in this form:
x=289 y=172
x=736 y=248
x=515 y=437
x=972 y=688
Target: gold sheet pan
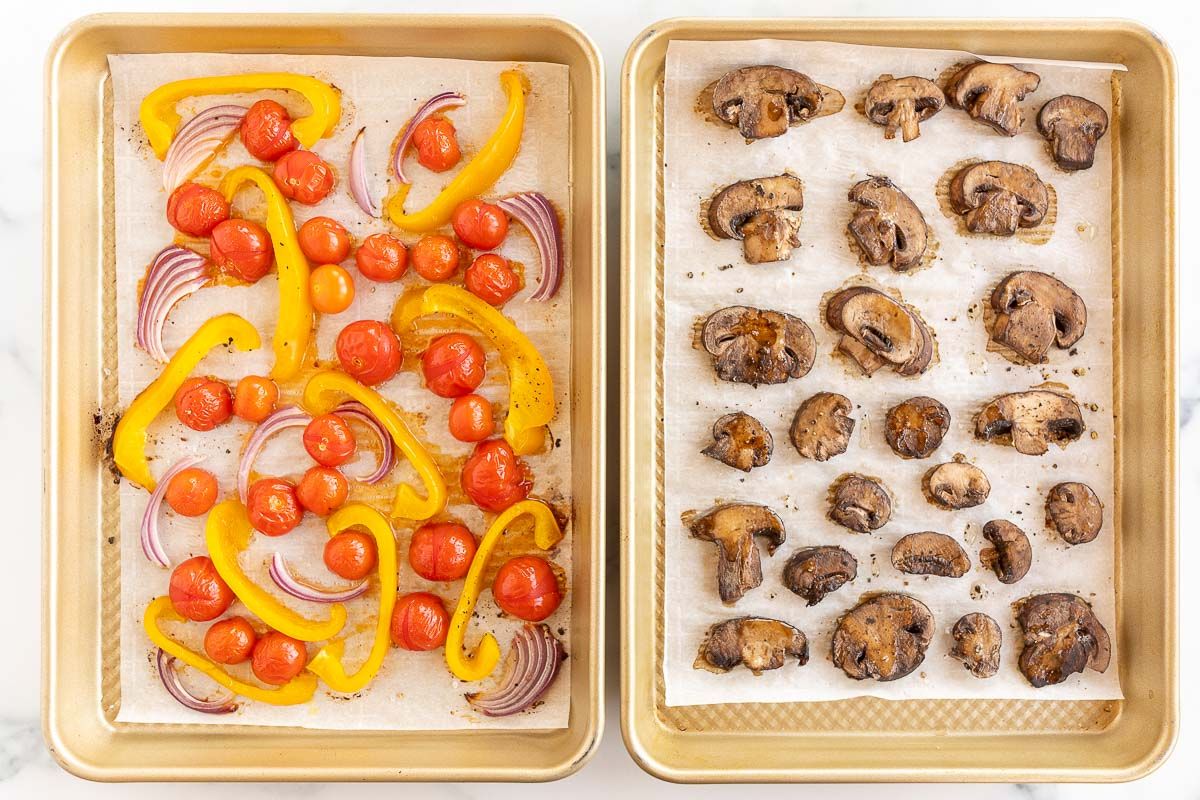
x=869 y=739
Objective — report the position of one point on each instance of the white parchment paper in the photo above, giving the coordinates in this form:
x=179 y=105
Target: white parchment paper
x=830 y=154
x=413 y=690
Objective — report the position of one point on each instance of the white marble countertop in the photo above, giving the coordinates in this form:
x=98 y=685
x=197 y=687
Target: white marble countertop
x=26 y=770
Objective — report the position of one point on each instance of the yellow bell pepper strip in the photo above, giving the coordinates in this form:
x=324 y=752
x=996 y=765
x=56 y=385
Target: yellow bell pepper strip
x=129 y=438
x=326 y=389
x=160 y=120
x=295 y=324
x=530 y=387
x=492 y=161
x=327 y=663
x=478 y=665
x=227 y=533
x=298 y=690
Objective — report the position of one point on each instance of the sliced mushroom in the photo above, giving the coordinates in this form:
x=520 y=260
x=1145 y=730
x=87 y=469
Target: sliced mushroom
x=814 y=572
x=929 y=553
x=764 y=213
x=977 y=639
x=1073 y=125
x=859 y=503
x=884 y=637
x=998 y=197
x=1074 y=510
x=957 y=485
x=750 y=345
x=989 y=93
x=915 y=428
x=822 y=426
x=1035 y=310
x=888 y=226
x=878 y=330
x=1010 y=554
x=733 y=528
x=740 y=441
x=1030 y=421
x=1062 y=636
x=756 y=642
x=763 y=101
x=901 y=104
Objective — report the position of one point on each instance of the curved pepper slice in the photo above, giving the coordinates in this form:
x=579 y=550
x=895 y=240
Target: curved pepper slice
x=327 y=663
x=298 y=690
x=492 y=161
x=295 y=324
x=129 y=438
x=160 y=120
x=227 y=533
x=478 y=665
x=325 y=390
x=530 y=388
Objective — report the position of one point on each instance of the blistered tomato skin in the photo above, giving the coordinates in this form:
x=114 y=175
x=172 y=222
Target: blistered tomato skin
x=382 y=257
x=526 y=587
x=192 y=492
x=369 y=351
x=302 y=176
x=230 y=641
x=471 y=418
x=441 y=551
x=324 y=241
x=351 y=555
x=197 y=592
x=480 y=225
x=267 y=131
x=254 y=398
x=273 y=507
x=436 y=143
x=322 y=490
x=330 y=440
x=494 y=477
x=195 y=210
x=435 y=258
x=419 y=622
x=492 y=279
x=330 y=288
x=203 y=403
x=241 y=248
x=453 y=365
x=278 y=658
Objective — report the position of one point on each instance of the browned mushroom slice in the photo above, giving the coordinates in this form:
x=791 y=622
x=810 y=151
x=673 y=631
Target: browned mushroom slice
x=915 y=428
x=877 y=330
x=762 y=101
x=756 y=642
x=1074 y=510
x=740 y=441
x=1030 y=421
x=764 y=213
x=957 y=485
x=1010 y=554
x=822 y=426
x=750 y=345
x=1035 y=310
x=977 y=639
x=884 y=637
x=997 y=197
x=989 y=93
x=859 y=503
x=929 y=553
x=1073 y=125
x=733 y=528
x=814 y=572
x=888 y=226
x=1061 y=636
x=901 y=104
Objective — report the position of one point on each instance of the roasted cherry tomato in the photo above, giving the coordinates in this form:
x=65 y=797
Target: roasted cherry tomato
x=203 y=403
x=441 y=551
x=278 y=658
x=494 y=477
x=241 y=248
x=302 y=176
x=197 y=591
x=329 y=439
x=435 y=258
x=453 y=365
x=321 y=490
x=230 y=641
x=471 y=419
x=273 y=507
x=267 y=131
x=381 y=257
x=195 y=210
x=436 y=142
x=351 y=555
x=492 y=279
x=324 y=241
x=330 y=288
x=419 y=622
x=369 y=351
x=480 y=225
x=254 y=398
x=526 y=587
x=192 y=492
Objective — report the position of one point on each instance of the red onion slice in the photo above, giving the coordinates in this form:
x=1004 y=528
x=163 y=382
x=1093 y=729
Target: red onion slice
x=533 y=661
x=175 y=273
x=151 y=542
x=387 y=448
x=358 y=175
x=198 y=140
x=174 y=686
x=284 y=579
x=537 y=214
x=439 y=102
x=280 y=419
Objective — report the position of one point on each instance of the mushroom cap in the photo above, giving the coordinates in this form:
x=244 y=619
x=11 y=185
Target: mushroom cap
x=884 y=637
x=1010 y=555
x=900 y=103
x=1073 y=125
x=977 y=641
x=756 y=642
x=879 y=330
x=814 y=572
x=1030 y=421
x=957 y=485
x=735 y=204
x=998 y=197
x=889 y=228
x=1061 y=636
x=733 y=528
x=1075 y=512
x=989 y=93
x=764 y=100
x=1035 y=310
x=751 y=345
x=740 y=441
x=822 y=426
x=916 y=427
x=930 y=553
x=859 y=503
